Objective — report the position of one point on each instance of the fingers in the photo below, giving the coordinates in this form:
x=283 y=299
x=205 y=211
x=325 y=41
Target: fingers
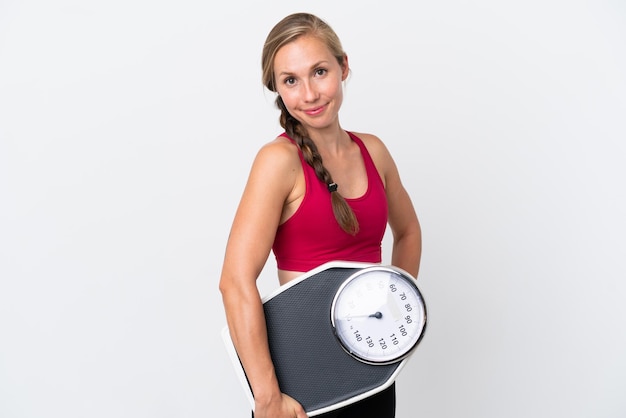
x=297 y=408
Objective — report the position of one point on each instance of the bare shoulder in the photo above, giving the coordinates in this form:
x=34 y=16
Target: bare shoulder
x=279 y=153
x=276 y=166
x=377 y=149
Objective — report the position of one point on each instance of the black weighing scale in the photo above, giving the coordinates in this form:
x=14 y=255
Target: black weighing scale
x=339 y=333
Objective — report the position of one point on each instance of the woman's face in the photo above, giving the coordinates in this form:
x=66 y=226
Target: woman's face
x=308 y=79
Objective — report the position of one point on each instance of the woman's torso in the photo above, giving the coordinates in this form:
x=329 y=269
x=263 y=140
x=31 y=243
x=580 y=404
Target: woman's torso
x=311 y=236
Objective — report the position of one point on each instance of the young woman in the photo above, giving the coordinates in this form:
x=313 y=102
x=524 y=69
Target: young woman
x=316 y=193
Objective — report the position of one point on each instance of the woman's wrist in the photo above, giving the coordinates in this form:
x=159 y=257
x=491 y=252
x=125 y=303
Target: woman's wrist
x=267 y=393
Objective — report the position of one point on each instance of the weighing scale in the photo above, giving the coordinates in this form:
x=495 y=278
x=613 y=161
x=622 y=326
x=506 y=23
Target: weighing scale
x=339 y=333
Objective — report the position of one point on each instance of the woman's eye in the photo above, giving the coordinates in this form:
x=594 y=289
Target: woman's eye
x=290 y=81
x=320 y=71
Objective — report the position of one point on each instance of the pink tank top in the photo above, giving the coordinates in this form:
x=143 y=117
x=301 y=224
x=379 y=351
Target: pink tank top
x=312 y=236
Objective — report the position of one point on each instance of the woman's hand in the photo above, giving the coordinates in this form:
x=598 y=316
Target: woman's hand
x=283 y=407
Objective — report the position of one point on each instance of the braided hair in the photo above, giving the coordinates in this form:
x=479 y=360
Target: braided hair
x=288 y=30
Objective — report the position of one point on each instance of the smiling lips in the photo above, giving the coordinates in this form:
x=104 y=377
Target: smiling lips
x=314 y=111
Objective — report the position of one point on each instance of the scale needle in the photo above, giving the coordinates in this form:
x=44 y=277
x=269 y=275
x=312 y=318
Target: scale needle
x=376 y=315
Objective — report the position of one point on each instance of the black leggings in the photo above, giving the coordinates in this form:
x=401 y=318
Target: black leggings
x=381 y=405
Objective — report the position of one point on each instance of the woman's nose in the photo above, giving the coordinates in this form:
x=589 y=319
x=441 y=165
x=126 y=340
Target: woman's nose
x=310 y=92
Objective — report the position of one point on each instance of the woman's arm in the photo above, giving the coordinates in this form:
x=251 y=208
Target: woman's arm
x=270 y=181
x=403 y=221
x=405 y=227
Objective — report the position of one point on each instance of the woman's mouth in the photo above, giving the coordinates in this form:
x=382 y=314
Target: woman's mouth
x=314 y=111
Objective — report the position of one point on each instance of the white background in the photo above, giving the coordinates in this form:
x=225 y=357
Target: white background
x=127 y=129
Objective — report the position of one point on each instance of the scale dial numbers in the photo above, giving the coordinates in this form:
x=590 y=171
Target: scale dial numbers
x=378 y=315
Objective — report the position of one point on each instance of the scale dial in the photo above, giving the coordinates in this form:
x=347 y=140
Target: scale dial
x=378 y=315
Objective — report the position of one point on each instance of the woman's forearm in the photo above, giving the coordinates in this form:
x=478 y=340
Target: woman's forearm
x=246 y=323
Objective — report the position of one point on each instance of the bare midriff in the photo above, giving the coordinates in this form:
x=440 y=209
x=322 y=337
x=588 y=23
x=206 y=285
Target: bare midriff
x=285 y=276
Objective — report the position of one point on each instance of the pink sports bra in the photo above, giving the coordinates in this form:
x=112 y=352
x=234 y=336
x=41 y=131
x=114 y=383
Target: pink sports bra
x=312 y=236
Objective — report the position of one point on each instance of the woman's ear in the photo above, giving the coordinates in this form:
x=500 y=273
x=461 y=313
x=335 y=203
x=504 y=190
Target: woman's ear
x=345 y=68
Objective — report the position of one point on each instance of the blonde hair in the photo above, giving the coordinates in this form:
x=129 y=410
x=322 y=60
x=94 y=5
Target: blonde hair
x=288 y=30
